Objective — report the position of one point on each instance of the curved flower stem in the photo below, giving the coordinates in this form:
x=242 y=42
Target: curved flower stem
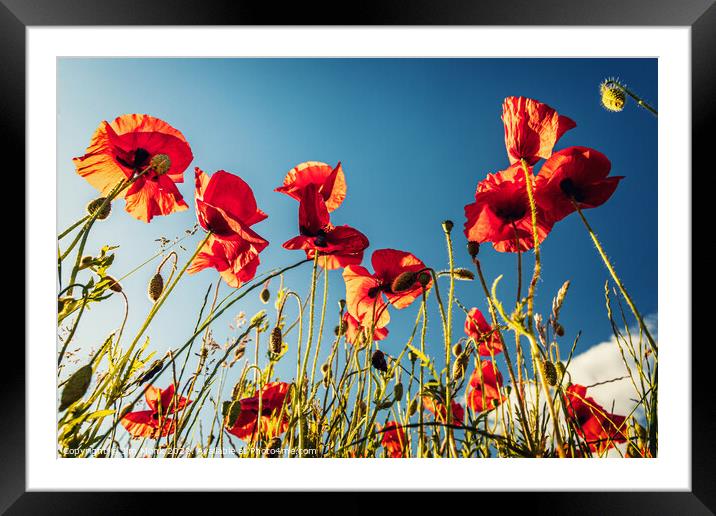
x=309 y=338
x=519 y=263
x=616 y=279
x=319 y=337
x=641 y=102
x=423 y=332
x=448 y=341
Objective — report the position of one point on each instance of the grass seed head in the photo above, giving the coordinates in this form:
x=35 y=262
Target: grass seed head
x=550 y=372
x=276 y=341
x=156 y=287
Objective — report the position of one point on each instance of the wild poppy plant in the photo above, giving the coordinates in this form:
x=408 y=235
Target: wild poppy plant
x=437 y=408
x=393 y=439
x=478 y=329
x=364 y=291
x=492 y=381
x=146 y=152
x=575 y=175
x=600 y=429
x=320 y=189
x=268 y=424
x=531 y=129
x=225 y=206
x=155 y=423
x=501 y=213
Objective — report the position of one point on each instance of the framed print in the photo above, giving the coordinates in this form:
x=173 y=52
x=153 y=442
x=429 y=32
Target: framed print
x=436 y=250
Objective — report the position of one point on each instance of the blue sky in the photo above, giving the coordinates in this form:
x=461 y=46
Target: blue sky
x=415 y=137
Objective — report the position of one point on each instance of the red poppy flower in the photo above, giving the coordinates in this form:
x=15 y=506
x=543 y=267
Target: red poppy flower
x=478 y=329
x=501 y=213
x=155 y=423
x=393 y=439
x=124 y=148
x=329 y=182
x=492 y=380
x=364 y=291
x=273 y=396
x=437 y=408
x=356 y=332
x=531 y=129
x=338 y=246
x=600 y=429
x=578 y=173
x=225 y=205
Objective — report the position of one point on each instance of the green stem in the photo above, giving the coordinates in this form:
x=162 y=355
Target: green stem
x=448 y=341
x=73 y=226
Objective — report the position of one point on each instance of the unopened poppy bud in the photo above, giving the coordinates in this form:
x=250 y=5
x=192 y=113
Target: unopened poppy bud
x=276 y=340
x=447 y=226
x=98 y=204
x=473 y=249
x=398 y=391
x=378 y=361
x=156 y=287
x=341 y=328
x=324 y=368
x=341 y=305
x=561 y=369
x=457 y=350
x=412 y=356
x=114 y=285
x=459 y=366
x=404 y=281
x=265 y=295
x=612 y=95
x=413 y=407
x=559 y=329
x=463 y=274
x=160 y=163
x=76 y=386
x=424 y=278
x=550 y=373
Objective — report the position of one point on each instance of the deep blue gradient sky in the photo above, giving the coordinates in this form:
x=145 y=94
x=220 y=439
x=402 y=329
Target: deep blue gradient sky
x=415 y=137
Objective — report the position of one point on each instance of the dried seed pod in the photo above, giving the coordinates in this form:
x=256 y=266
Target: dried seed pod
x=76 y=386
x=550 y=372
x=447 y=226
x=156 y=287
x=378 y=361
x=276 y=340
x=473 y=249
x=98 y=204
x=404 y=281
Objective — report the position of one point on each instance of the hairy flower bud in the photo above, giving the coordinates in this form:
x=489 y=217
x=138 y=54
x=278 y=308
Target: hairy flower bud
x=265 y=295
x=463 y=274
x=156 y=287
x=447 y=226
x=398 y=391
x=341 y=305
x=550 y=373
x=378 y=361
x=612 y=96
x=413 y=407
x=457 y=350
x=404 y=281
x=276 y=340
x=76 y=386
x=114 y=285
x=473 y=249
x=97 y=204
x=424 y=278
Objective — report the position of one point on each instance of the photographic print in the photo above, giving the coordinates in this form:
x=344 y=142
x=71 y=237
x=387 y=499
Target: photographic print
x=357 y=258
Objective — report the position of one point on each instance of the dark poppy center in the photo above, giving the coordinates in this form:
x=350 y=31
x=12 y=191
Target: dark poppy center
x=570 y=189
x=511 y=212
x=137 y=159
x=321 y=239
x=373 y=292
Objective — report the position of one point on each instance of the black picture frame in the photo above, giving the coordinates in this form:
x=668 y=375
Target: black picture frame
x=700 y=15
